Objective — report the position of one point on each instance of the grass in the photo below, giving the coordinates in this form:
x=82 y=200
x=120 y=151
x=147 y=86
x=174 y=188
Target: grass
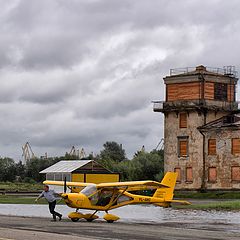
x=16 y=186
x=223 y=205
x=10 y=199
x=18 y=200
x=207 y=195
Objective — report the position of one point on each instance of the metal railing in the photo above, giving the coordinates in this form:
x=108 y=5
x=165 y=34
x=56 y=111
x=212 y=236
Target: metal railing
x=157 y=105
x=226 y=70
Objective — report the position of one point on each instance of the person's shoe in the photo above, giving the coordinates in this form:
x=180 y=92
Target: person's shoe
x=60 y=217
x=53 y=220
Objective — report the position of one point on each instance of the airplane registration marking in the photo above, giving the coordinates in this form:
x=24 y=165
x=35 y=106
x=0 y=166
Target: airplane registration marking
x=144 y=199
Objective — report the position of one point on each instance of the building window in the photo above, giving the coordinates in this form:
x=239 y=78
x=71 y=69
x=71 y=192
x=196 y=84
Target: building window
x=212 y=174
x=211 y=146
x=236 y=173
x=220 y=91
x=58 y=177
x=189 y=174
x=183 y=120
x=178 y=171
x=235 y=146
x=50 y=176
x=182 y=146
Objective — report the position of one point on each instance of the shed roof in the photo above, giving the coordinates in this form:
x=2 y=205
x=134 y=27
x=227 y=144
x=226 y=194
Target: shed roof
x=227 y=122
x=67 y=166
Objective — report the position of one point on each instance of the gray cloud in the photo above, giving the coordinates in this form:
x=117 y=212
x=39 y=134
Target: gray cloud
x=84 y=72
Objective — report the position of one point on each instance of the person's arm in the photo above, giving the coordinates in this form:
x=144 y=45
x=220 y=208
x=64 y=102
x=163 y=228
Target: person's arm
x=56 y=194
x=40 y=196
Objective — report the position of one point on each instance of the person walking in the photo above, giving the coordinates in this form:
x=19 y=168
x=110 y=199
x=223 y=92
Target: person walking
x=50 y=196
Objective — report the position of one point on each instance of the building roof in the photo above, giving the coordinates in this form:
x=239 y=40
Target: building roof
x=231 y=121
x=66 y=166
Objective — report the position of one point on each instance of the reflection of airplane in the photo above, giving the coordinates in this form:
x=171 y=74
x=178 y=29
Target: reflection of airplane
x=107 y=196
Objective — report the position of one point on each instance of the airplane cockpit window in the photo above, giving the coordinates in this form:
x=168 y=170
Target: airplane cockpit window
x=102 y=197
x=89 y=190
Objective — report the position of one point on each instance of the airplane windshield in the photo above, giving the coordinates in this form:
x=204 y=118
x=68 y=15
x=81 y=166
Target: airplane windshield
x=89 y=190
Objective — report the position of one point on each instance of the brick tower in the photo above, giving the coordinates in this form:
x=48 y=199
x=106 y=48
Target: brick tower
x=194 y=97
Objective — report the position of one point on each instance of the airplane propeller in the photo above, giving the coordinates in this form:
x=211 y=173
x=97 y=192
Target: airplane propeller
x=65 y=185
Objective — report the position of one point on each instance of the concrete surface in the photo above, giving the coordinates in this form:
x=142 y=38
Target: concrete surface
x=17 y=228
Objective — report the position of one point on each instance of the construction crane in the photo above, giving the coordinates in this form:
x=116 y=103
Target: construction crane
x=82 y=154
x=77 y=153
x=160 y=145
x=142 y=150
x=73 y=151
x=27 y=153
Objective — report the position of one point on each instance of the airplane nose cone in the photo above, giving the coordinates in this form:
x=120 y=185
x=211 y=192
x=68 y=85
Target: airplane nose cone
x=64 y=195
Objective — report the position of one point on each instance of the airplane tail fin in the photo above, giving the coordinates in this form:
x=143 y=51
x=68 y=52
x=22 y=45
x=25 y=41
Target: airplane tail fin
x=167 y=194
x=169 y=181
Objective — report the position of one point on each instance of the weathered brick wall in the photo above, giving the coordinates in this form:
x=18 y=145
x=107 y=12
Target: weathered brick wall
x=223 y=160
x=195 y=159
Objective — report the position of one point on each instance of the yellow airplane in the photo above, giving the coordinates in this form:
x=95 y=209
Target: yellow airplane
x=108 y=196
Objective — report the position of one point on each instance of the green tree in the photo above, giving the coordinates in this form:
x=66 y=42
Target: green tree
x=34 y=166
x=20 y=170
x=7 y=169
x=112 y=152
x=148 y=166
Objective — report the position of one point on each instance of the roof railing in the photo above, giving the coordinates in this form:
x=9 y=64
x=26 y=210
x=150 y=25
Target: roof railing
x=226 y=70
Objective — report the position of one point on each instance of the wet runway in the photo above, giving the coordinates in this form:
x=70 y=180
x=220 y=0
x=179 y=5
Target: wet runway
x=132 y=213
x=137 y=222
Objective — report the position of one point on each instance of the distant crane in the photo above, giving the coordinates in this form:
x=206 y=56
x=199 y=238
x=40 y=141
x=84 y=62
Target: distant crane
x=77 y=153
x=82 y=153
x=73 y=151
x=28 y=153
x=160 y=145
x=136 y=154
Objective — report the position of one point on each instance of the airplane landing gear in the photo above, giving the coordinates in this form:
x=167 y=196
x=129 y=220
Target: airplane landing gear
x=75 y=216
x=90 y=217
x=110 y=218
x=75 y=219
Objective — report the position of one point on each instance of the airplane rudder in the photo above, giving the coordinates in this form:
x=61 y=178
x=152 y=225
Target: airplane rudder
x=169 y=179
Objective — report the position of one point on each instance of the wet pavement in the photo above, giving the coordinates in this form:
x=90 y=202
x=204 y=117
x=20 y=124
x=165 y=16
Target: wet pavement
x=132 y=213
x=137 y=222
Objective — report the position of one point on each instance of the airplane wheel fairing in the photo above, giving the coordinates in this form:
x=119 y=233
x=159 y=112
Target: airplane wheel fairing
x=110 y=218
x=75 y=219
x=89 y=217
x=75 y=215
x=110 y=221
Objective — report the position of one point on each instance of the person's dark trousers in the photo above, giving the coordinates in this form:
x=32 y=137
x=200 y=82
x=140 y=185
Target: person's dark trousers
x=51 y=209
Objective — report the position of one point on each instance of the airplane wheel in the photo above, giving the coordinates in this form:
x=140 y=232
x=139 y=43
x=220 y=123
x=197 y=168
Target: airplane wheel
x=90 y=219
x=110 y=221
x=75 y=219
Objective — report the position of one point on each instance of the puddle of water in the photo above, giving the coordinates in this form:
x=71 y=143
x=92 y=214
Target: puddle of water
x=133 y=213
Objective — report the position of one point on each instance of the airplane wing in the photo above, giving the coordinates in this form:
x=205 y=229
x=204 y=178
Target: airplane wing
x=113 y=184
x=132 y=184
x=69 y=184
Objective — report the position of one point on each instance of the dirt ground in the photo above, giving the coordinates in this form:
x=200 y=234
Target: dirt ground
x=42 y=228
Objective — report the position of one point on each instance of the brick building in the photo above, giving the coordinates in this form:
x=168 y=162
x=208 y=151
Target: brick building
x=201 y=127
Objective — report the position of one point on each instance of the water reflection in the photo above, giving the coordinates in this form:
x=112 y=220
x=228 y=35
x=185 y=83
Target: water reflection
x=134 y=213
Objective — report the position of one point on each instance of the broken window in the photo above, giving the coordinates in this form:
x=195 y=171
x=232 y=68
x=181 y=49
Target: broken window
x=182 y=146
x=183 y=120
x=211 y=146
x=212 y=174
x=236 y=173
x=235 y=146
x=220 y=91
x=189 y=174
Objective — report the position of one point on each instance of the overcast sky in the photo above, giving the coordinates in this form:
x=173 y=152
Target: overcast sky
x=85 y=72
